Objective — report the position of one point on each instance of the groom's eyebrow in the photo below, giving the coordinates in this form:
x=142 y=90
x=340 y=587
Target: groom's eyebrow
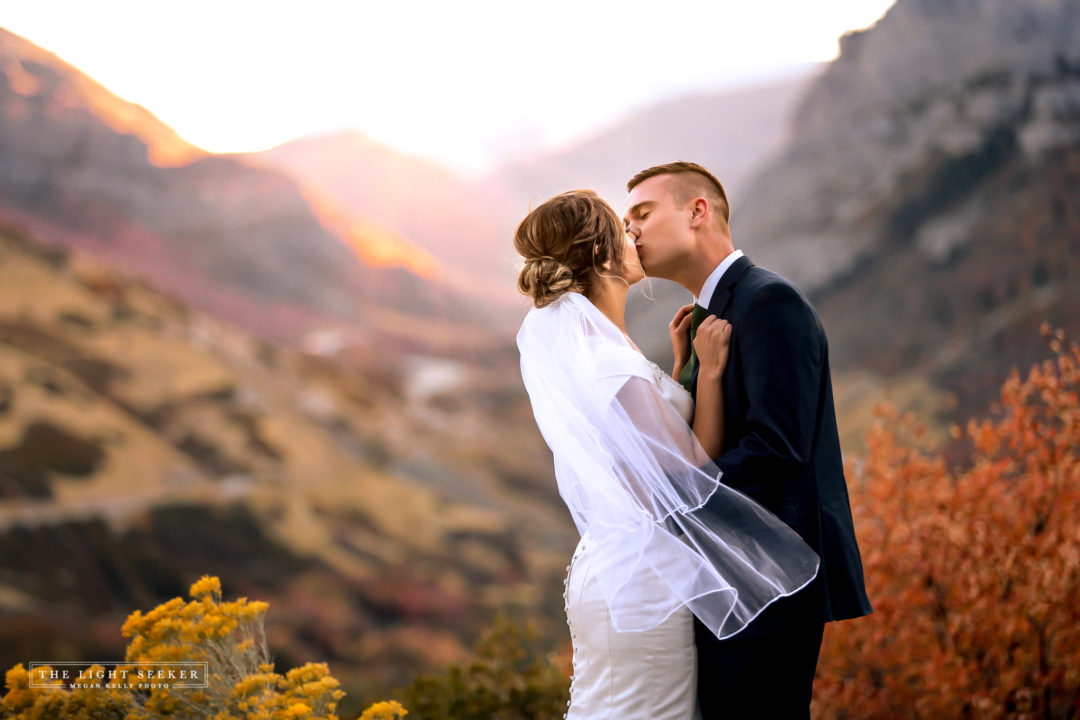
x=634 y=210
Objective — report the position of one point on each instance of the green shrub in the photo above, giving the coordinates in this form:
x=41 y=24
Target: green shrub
x=508 y=678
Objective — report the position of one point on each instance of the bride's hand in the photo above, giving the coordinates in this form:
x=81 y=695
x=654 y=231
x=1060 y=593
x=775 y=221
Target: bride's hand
x=712 y=343
x=680 y=337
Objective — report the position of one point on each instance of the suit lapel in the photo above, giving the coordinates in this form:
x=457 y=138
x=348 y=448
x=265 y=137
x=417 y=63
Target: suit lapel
x=720 y=300
x=722 y=295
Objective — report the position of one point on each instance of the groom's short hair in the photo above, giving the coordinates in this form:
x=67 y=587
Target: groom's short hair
x=693 y=180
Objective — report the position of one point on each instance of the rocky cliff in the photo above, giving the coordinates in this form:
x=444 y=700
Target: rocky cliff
x=927 y=199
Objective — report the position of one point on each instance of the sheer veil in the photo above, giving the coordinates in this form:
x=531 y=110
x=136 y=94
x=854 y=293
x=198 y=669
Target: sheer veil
x=666 y=532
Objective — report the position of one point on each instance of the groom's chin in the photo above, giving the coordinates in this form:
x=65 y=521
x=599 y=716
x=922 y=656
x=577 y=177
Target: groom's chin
x=649 y=273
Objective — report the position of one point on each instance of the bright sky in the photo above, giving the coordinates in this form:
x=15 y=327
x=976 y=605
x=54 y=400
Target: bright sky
x=463 y=82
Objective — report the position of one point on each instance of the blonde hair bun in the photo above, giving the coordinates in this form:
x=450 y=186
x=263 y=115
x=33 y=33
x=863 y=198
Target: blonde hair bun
x=544 y=279
x=563 y=241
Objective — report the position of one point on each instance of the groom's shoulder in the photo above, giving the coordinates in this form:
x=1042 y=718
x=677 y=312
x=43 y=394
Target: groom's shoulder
x=772 y=284
x=771 y=292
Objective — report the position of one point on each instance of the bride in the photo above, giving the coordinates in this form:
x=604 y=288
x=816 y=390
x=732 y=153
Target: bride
x=662 y=539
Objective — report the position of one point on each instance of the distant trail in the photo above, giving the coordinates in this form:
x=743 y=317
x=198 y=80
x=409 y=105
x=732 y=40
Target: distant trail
x=116 y=511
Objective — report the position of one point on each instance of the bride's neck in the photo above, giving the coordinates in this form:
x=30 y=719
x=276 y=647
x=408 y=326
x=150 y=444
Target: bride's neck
x=609 y=296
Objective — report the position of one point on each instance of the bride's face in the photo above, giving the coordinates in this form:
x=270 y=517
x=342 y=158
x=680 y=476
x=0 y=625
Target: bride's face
x=632 y=270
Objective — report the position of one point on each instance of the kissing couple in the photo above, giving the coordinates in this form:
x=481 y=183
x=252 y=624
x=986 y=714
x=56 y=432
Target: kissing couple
x=716 y=530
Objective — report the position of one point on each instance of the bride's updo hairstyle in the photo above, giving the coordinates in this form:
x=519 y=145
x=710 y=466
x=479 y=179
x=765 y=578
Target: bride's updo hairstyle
x=564 y=242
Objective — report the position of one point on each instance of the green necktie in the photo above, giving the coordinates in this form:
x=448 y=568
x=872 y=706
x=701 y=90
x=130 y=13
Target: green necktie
x=696 y=318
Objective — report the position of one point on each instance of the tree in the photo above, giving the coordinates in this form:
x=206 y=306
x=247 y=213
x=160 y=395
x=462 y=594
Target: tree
x=973 y=570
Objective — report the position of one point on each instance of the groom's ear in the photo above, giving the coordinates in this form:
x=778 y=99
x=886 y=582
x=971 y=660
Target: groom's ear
x=699 y=210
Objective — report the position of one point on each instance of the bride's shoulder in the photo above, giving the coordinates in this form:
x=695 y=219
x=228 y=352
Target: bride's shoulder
x=614 y=358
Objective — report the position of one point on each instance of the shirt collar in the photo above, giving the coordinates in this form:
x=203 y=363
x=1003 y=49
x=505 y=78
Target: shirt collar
x=713 y=280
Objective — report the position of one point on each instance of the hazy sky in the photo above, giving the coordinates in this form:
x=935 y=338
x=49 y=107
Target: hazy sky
x=463 y=82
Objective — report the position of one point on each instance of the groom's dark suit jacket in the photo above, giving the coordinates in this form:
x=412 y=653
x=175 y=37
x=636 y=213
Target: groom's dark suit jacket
x=781 y=446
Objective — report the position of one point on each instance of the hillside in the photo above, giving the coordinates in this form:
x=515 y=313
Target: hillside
x=143 y=443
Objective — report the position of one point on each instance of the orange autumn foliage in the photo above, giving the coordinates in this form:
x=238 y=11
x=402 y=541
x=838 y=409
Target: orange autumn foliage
x=973 y=570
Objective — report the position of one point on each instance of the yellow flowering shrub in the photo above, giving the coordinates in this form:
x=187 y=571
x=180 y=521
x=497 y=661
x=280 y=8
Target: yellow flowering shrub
x=23 y=702
x=228 y=636
x=384 y=711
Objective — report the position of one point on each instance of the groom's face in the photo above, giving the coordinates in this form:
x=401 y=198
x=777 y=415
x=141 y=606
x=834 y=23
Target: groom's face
x=660 y=230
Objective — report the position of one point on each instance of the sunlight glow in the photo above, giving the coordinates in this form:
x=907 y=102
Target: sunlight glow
x=465 y=83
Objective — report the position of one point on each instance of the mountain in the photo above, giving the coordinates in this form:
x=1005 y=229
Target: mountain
x=45 y=81
x=927 y=199
x=731 y=132
x=468 y=225
x=449 y=218
x=80 y=167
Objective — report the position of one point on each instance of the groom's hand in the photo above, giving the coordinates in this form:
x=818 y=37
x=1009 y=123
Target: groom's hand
x=679 y=327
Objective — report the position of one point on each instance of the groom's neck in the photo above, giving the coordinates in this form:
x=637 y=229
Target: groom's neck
x=700 y=273
x=696 y=270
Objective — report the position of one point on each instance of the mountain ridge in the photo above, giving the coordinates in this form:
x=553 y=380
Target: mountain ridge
x=229 y=237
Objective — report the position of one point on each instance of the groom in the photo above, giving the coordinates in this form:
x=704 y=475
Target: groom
x=780 y=448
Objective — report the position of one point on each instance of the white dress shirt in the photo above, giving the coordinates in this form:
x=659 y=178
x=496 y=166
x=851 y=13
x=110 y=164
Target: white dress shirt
x=713 y=280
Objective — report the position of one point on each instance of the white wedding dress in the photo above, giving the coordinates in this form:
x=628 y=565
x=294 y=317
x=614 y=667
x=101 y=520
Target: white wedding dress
x=650 y=675
x=652 y=560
